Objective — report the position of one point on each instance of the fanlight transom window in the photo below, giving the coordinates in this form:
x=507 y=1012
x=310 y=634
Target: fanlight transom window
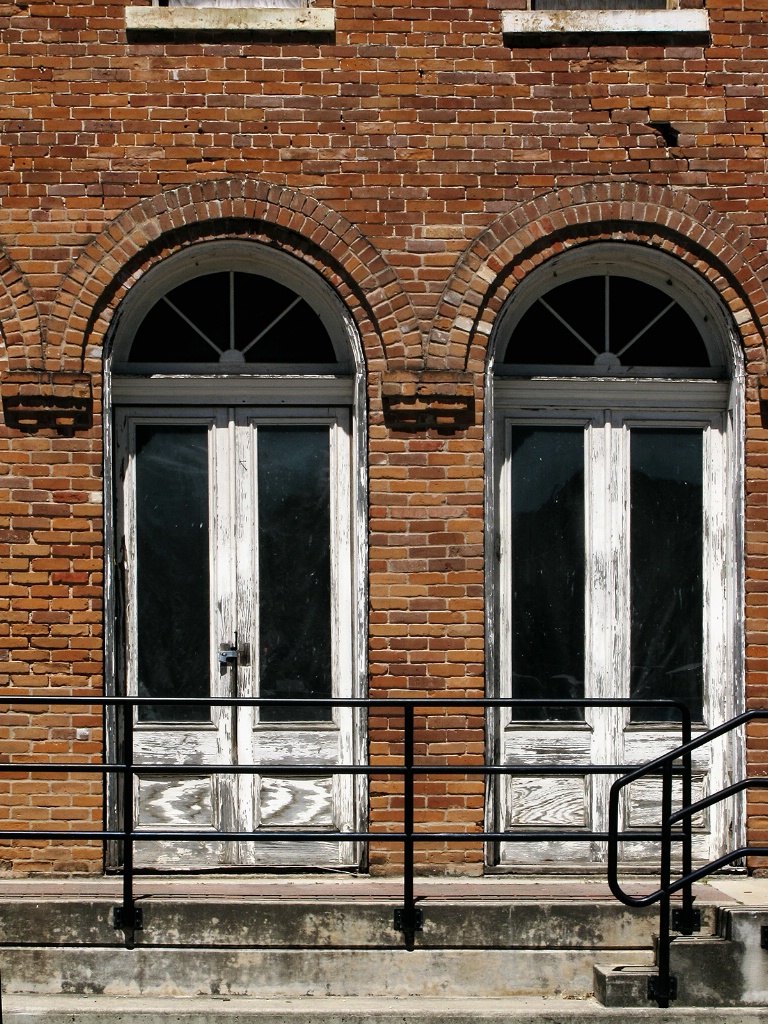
x=601 y=313
x=610 y=321
x=232 y=318
x=233 y=307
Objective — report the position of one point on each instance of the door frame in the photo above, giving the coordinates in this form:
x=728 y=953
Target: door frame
x=534 y=389
x=279 y=386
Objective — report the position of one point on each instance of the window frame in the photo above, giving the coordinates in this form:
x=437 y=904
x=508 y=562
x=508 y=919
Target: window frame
x=604 y=468
x=611 y=737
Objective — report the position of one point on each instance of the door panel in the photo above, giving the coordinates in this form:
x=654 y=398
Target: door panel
x=293 y=537
x=172 y=561
x=546 y=487
x=235 y=529
x=669 y=511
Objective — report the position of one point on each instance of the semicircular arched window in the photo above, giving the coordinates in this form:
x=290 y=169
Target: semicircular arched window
x=616 y=436
x=233 y=307
x=610 y=322
x=232 y=318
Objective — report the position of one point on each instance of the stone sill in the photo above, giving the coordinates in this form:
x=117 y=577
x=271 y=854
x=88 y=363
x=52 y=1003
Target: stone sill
x=608 y=22
x=230 y=19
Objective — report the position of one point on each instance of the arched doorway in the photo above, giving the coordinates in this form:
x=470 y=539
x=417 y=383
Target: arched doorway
x=234 y=379
x=616 y=548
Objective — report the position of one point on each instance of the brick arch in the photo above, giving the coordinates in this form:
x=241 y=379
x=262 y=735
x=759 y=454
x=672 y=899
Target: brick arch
x=231 y=208
x=19 y=320
x=524 y=238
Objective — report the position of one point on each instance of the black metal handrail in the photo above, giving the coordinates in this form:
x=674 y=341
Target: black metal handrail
x=663 y=987
x=128 y=916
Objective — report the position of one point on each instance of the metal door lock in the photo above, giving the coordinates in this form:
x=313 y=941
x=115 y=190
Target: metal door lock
x=239 y=655
x=227 y=656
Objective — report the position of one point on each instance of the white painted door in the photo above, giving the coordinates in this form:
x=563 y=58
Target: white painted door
x=234 y=530
x=613 y=571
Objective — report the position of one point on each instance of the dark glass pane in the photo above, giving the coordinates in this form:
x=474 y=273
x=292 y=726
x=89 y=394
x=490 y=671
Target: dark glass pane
x=674 y=340
x=298 y=337
x=164 y=337
x=252 y=307
x=666 y=569
x=632 y=306
x=172 y=569
x=294 y=569
x=548 y=567
x=541 y=338
x=581 y=303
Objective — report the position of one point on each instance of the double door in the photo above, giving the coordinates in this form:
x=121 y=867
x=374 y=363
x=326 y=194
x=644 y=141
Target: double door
x=614 y=548
x=237 y=581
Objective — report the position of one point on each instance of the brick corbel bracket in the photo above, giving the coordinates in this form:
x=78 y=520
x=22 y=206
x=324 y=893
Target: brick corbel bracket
x=37 y=400
x=430 y=400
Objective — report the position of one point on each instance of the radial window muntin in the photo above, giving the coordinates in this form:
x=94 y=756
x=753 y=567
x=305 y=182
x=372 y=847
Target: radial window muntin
x=611 y=260
x=234 y=258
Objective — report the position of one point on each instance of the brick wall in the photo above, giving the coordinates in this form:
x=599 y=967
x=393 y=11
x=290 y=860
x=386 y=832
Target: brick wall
x=424 y=167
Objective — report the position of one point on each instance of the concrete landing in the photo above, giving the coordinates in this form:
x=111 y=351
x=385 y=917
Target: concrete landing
x=721 y=890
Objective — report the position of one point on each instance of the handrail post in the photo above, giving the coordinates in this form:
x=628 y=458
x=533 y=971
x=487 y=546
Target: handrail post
x=409 y=915
x=688 y=917
x=128 y=917
x=664 y=987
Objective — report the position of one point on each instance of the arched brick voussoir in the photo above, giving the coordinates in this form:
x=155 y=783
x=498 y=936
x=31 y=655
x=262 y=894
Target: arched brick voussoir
x=232 y=208
x=19 y=319
x=522 y=239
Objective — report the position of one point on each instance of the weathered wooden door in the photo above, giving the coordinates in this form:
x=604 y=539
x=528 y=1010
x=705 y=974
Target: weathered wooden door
x=234 y=527
x=612 y=551
x=617 y=503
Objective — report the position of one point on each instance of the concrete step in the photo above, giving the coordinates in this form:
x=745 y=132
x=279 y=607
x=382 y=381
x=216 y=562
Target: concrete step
x=271 y=941
x=343 y=924
x=293 y=974
x=106 y=1010
x=727 y=969
x=286 y=949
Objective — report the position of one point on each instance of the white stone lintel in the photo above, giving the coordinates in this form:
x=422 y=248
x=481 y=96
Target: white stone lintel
x=230 y=19
x=662 y=22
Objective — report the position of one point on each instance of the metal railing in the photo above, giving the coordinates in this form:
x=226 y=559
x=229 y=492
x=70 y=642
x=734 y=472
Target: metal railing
x=663 y=987
x=407 y=918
